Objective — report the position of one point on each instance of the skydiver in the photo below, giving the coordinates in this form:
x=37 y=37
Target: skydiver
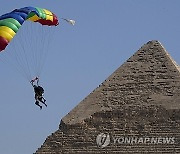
x=38 y=92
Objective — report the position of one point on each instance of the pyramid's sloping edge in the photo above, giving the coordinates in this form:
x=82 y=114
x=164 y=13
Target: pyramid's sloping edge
x=96 y=100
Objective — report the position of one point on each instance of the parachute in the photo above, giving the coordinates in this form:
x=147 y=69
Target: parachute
x=11 y=22
x=24 y=44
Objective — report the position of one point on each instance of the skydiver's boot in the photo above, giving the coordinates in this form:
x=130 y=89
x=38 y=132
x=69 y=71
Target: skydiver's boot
x=37 y=103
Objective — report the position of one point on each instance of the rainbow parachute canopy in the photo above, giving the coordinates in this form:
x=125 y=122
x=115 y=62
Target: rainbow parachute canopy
x=11 y=22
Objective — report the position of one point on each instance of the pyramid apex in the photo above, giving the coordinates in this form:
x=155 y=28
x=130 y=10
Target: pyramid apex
x=146 y=78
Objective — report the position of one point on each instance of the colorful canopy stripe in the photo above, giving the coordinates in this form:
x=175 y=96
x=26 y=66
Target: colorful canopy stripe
x=11 y=22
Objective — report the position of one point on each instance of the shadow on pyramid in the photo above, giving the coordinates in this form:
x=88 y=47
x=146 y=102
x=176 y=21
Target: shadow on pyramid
x=135 y=110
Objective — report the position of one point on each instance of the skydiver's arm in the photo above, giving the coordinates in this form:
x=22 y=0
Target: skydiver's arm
x=37 y=81
x=32 y=82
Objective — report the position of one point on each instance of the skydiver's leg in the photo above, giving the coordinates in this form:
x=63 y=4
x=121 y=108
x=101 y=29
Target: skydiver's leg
x=42 y=101
x=36 y=97
x=37 y=103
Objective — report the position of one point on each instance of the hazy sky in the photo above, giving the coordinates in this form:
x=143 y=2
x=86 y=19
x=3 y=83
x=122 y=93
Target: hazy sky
x=106 y=34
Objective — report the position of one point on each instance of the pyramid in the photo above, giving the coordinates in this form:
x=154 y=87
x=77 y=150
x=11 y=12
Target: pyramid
x=135 y=110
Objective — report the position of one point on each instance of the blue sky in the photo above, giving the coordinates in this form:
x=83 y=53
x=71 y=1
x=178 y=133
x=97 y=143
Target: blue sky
x=106 y=34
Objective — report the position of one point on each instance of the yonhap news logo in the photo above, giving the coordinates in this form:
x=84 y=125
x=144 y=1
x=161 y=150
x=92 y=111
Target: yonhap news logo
x=104 y=139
